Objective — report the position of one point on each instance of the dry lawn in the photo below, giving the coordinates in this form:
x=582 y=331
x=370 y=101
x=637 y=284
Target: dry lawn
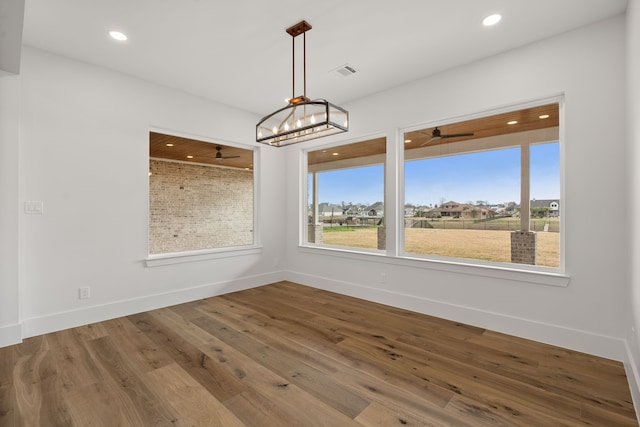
x=488 y=245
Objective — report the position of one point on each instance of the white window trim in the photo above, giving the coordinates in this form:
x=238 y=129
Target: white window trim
x=454 y=265
x=157 y=260
x=338 y=164
x=394 y=177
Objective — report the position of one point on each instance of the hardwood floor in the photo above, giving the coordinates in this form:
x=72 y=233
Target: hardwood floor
x=289 y=355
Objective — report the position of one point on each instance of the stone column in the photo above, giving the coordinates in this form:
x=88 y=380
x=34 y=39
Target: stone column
x=382 y=237
x=314 y=234
x=523 y=247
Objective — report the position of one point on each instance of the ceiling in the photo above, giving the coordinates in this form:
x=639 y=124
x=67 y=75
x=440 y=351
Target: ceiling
x=162 y=146
x=528 y=119
x=533 y=118
x=238 y=53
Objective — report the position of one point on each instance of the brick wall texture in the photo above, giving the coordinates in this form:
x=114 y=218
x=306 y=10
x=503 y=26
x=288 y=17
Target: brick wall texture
x=523 y=247
x=195 y=207
x=315 y=233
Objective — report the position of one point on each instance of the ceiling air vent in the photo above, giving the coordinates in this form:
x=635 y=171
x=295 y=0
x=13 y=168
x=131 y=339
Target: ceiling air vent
x=345 y=70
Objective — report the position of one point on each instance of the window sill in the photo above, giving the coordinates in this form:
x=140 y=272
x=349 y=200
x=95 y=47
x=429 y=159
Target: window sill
x=157 y=260
x=509 y=272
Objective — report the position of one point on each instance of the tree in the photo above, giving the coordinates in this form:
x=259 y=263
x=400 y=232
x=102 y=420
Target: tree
x=540 y=212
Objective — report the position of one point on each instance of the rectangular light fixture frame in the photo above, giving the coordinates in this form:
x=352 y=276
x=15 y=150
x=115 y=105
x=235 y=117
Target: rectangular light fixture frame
x=302 y=121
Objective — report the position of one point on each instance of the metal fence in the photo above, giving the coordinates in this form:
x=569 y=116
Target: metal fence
x=501 y=224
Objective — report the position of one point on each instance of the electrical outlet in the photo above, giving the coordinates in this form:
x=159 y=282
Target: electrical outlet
x=383 y=278
x=84 y=292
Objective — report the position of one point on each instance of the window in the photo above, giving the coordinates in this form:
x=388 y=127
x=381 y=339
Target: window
x=486 y=189
x=200 y=195
x=346 y=195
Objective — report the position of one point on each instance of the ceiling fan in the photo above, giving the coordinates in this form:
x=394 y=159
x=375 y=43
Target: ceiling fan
x=436 y=135
x=220 y=157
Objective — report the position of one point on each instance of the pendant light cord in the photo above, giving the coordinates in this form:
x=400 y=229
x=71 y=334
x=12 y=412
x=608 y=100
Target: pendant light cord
x=304 y=64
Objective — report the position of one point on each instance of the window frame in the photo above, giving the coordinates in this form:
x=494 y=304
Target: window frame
x=305 y=196
x=394 y=210
x=560 y=270
x=168 y=258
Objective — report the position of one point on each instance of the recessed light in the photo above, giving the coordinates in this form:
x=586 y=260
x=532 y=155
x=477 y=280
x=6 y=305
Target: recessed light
x=189 y=157
x=512 y=122
x=335 y=154
x=406 y=141
x=544 y=116
x=117 y=35
x=169 y=145
x=491 y=20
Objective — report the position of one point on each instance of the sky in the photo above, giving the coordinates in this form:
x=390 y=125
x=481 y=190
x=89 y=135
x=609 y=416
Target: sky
x=490 y=176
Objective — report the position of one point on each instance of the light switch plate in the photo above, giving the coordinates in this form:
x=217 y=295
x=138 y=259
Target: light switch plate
x=33 y=207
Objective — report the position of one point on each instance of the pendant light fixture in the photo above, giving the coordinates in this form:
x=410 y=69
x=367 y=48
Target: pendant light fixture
x=303 y=119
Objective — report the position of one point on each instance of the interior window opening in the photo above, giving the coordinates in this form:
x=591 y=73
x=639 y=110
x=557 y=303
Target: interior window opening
x=201 y=195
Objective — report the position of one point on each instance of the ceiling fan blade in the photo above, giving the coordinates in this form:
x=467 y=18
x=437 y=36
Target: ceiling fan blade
x=457 y=135
x=220 y=157
x=433 y=138
x=436 y=135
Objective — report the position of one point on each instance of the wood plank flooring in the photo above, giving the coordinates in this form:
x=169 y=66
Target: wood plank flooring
x=289 y=355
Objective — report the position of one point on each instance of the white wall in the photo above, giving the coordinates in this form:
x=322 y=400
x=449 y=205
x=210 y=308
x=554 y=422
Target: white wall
x=589 y=314
x=76 y=122
x=10 y=328
x=633 y=141
x=11 y=21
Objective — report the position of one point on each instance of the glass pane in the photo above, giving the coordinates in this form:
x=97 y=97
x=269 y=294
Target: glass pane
x=463 y=206
x=346 y=195
x=545 y=202
x=464 y=187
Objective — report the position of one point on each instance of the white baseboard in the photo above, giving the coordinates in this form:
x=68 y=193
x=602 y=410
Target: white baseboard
x=586 y=342
x=97 y=313
x=10 y=334
x=633 y=376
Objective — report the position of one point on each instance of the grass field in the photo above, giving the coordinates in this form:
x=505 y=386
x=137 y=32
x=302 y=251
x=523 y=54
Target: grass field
x=487 y=245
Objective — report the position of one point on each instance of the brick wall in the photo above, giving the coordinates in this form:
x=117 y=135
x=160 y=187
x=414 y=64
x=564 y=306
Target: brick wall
x=315 y=234
x=523 y=247
x=198 y=207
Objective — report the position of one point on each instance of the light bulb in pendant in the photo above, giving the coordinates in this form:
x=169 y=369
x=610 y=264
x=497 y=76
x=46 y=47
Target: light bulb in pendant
x=275 y=130
x=286 y=126
x=298 y=123
x=313 y=119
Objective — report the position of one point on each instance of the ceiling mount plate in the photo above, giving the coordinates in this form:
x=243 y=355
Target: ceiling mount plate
x=300 y=28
